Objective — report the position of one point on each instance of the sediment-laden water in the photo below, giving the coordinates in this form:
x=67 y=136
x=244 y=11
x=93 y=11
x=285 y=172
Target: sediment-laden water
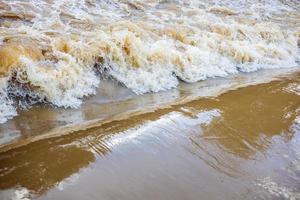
x=154 y=99
x=56 y=51
x=241 y=144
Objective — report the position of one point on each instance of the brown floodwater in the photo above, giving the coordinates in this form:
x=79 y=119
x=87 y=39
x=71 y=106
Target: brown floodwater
x=243 y=143
x=152 y=99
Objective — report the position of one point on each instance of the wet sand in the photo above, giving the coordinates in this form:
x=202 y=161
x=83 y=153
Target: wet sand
x=236 y=141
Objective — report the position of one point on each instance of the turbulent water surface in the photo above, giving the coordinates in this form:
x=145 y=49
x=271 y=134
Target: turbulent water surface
x=56 y=51
x=75 y=122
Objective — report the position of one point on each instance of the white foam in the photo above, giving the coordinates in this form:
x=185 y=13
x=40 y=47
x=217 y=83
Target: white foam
x=143 y=81
x=64 y=84
x=277 y=190
x=15 y=194
x=7 y=110
x=190 y=41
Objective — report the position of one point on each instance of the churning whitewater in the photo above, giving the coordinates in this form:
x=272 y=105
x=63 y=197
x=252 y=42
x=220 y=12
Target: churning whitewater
x=56 y=51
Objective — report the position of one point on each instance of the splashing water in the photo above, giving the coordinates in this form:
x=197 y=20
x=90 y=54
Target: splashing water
x=56 y=48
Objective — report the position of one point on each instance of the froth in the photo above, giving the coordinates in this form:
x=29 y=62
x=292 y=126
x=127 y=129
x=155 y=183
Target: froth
x=148 y=46
x=7 y=110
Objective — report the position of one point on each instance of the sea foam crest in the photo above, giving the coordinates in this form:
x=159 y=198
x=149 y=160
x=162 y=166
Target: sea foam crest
x=146 y=45
x=7 y=110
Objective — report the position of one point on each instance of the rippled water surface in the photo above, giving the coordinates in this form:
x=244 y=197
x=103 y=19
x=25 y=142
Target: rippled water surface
x=242 y=144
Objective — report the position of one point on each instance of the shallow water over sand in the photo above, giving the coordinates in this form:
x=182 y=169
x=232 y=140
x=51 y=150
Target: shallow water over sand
x=241 y=144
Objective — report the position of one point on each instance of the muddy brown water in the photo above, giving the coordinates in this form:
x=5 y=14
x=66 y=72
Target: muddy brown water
x=241 y=144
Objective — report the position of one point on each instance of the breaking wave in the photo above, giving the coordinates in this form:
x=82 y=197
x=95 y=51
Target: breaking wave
x=56 y=51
